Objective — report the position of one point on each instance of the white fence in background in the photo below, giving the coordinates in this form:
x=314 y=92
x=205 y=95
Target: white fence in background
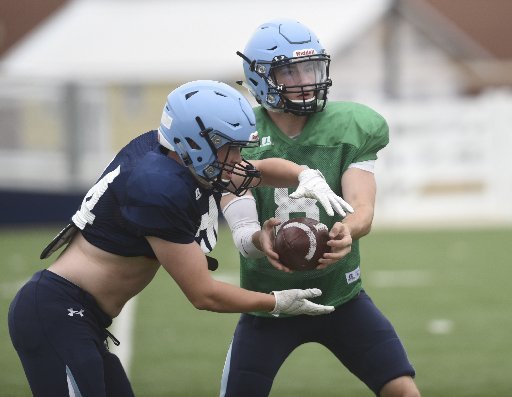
x=52 y=137
x=448 y=162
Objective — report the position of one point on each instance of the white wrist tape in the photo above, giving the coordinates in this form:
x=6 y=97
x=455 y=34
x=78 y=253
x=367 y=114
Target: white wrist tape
x=242 y=218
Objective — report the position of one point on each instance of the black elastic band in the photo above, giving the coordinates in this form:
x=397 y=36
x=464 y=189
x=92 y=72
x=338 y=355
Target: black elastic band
x=112 y=337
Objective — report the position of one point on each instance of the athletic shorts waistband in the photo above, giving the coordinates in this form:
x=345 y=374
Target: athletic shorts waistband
x=48 y=278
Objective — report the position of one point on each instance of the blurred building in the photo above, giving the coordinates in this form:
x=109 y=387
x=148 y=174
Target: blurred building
x=93 y=74
x=20 y=17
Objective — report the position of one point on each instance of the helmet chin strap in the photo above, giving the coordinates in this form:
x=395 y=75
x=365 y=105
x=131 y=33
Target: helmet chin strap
x=202 y=181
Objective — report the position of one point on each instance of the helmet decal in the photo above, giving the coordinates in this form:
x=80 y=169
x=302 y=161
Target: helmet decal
x=303 y=53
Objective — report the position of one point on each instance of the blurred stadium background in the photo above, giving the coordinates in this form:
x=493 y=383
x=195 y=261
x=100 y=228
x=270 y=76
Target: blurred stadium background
x=79 y=78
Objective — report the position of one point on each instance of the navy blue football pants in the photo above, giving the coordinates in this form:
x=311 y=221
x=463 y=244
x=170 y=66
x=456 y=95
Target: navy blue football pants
x=60 y=335
x=357 y=333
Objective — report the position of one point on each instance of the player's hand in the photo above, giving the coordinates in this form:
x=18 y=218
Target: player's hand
x=295 y=302
x=340 y=243
x=266 y=241
x=312 y=184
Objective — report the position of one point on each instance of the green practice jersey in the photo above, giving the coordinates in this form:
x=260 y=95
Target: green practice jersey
x=331 y=140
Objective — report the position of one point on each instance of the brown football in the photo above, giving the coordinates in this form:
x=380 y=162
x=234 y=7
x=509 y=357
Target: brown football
x=300 y=242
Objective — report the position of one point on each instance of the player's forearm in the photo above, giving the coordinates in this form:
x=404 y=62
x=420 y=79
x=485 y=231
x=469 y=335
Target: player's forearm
x=227 y=298
x=255 y=239
x=360 y=222
x=277 y=172
x=359 y=189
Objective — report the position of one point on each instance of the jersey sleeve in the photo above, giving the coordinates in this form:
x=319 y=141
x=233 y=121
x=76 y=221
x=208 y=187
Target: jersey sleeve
x=372 y=133
x=155 y=206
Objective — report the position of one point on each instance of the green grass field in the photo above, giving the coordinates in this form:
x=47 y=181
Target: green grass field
x=447 y=293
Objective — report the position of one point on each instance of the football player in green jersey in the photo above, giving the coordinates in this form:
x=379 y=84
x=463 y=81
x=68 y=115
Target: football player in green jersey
x=287 y=71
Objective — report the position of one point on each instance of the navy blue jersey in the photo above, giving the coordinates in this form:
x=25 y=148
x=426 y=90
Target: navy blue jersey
x=143 y=192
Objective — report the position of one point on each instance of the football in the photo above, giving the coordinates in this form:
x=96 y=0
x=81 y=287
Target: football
x=301 y=242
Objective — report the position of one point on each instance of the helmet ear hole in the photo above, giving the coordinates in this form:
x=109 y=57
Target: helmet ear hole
x=189 y=94
x=193 y=144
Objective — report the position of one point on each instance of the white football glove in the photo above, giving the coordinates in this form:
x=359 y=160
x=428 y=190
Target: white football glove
x=294 y=302
x=312 y=184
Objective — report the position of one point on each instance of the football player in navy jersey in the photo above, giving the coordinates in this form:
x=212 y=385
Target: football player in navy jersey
x=155 y=204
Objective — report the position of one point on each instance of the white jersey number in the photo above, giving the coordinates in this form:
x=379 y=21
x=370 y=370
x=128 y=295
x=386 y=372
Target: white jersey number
x=207 y=233
x=287 y=205
x=84 y=215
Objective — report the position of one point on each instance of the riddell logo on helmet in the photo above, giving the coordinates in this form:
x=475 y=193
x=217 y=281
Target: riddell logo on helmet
x=303 y=53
